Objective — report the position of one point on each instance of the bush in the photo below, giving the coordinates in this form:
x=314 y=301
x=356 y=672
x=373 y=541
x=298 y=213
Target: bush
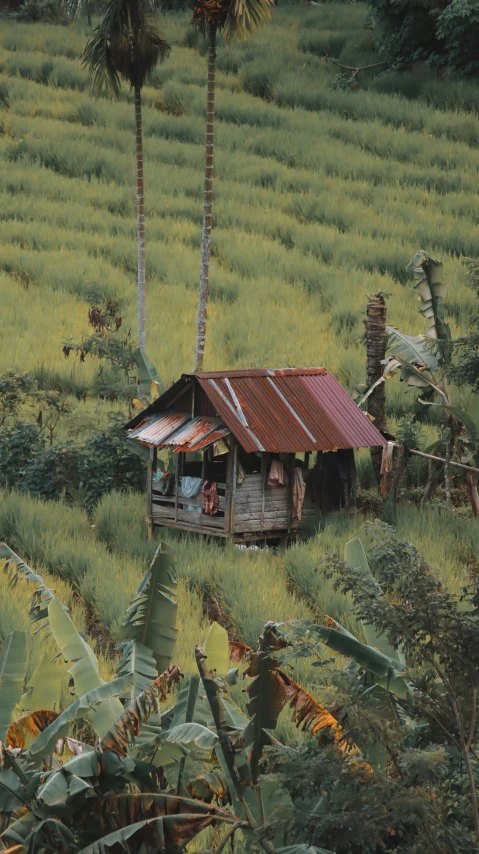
x=439 y=33
x=42 y=10
x=458 y=27
x=18 y=446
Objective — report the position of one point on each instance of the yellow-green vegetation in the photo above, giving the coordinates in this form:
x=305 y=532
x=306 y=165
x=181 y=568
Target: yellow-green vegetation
x=321 y=196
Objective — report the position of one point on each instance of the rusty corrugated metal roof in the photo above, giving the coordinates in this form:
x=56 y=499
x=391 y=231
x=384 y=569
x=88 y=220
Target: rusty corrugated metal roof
x=155 y=429
x=179 y=431
x=197 y=433
x=288 y=410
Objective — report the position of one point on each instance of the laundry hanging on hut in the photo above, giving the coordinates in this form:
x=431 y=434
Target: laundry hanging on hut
x=210 y=495
x=190 y=488
x=298 y=488
x=277 y=475
x=164 y=481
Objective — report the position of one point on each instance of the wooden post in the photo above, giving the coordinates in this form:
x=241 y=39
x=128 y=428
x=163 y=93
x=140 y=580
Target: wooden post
x=231 y=476
x=264 y=476
x=376 y=343
x=149 y=491
x=229 y=485
x=179 y=466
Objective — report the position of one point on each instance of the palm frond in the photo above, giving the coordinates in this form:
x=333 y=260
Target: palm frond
x=246 y=17
x=126 y=43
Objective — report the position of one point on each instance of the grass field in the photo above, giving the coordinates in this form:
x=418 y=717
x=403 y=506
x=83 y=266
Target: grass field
x=321 y=196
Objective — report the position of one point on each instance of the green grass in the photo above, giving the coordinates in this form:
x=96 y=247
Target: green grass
x=321 y=197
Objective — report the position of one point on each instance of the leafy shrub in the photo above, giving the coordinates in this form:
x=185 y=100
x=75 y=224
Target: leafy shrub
x=42 y=10
x=19 y=445
x=458 y=27
x=438 y=33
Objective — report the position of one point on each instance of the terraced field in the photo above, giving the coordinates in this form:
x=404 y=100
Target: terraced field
x=321 y=196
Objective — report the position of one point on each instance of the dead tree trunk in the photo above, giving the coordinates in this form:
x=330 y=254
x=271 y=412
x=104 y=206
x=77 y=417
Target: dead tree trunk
x=376 y=342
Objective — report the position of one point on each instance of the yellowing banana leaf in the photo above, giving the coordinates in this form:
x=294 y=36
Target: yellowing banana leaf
x=355 y=556
x=13 y=664
x=22 y=730
x=178 y=820
x=17 y=569
x=84 y=668
x=217 y=650
x=44 y=688
x=151 y=617
x=126 y=728
x=45 y=743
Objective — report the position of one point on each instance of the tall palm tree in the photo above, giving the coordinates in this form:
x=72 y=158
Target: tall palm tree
x=235 y=19
x=127 y=44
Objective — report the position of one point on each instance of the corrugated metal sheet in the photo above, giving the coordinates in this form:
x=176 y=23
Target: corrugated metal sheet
x=196 y=434
x=179 y=431
x=155 y=429
x=288 y=410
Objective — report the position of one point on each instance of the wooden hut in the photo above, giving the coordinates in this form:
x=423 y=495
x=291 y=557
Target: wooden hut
x=254 y=453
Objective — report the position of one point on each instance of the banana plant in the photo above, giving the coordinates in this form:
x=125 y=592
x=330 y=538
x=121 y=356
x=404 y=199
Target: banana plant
x=419 y=357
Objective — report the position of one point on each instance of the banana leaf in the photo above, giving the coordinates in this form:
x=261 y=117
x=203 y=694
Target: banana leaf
x=303 y=848
x=148 y=378
x=17 y=570
x=138 y=660
x=45 y=743
x=388 y=671
x=13 y=664
x=84 y=668
x=166 y=833
x=217 y=650
x=44 y=687
x=33 y=833
x=431 y=289
x=191 y=734
x=151 y=617
x=22 y=730
x=355 y=557
x=126 y=728
x=412 y=348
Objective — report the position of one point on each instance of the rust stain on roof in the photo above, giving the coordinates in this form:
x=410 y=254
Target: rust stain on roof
x=153 y=430
x=179 y=431
x=197 y=433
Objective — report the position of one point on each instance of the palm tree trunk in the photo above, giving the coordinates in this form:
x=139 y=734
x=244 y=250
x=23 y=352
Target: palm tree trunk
x=207 y=202
x=140 y=222
x=376 y=342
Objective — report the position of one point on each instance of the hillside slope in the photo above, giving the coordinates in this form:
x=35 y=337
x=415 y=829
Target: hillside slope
x=322 y=196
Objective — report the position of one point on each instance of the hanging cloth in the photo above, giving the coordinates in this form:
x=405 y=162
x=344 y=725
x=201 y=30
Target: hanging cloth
x=210 y=496
x=298 y=488
x=164 y=481
x=276 y=475
x=191 y=486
